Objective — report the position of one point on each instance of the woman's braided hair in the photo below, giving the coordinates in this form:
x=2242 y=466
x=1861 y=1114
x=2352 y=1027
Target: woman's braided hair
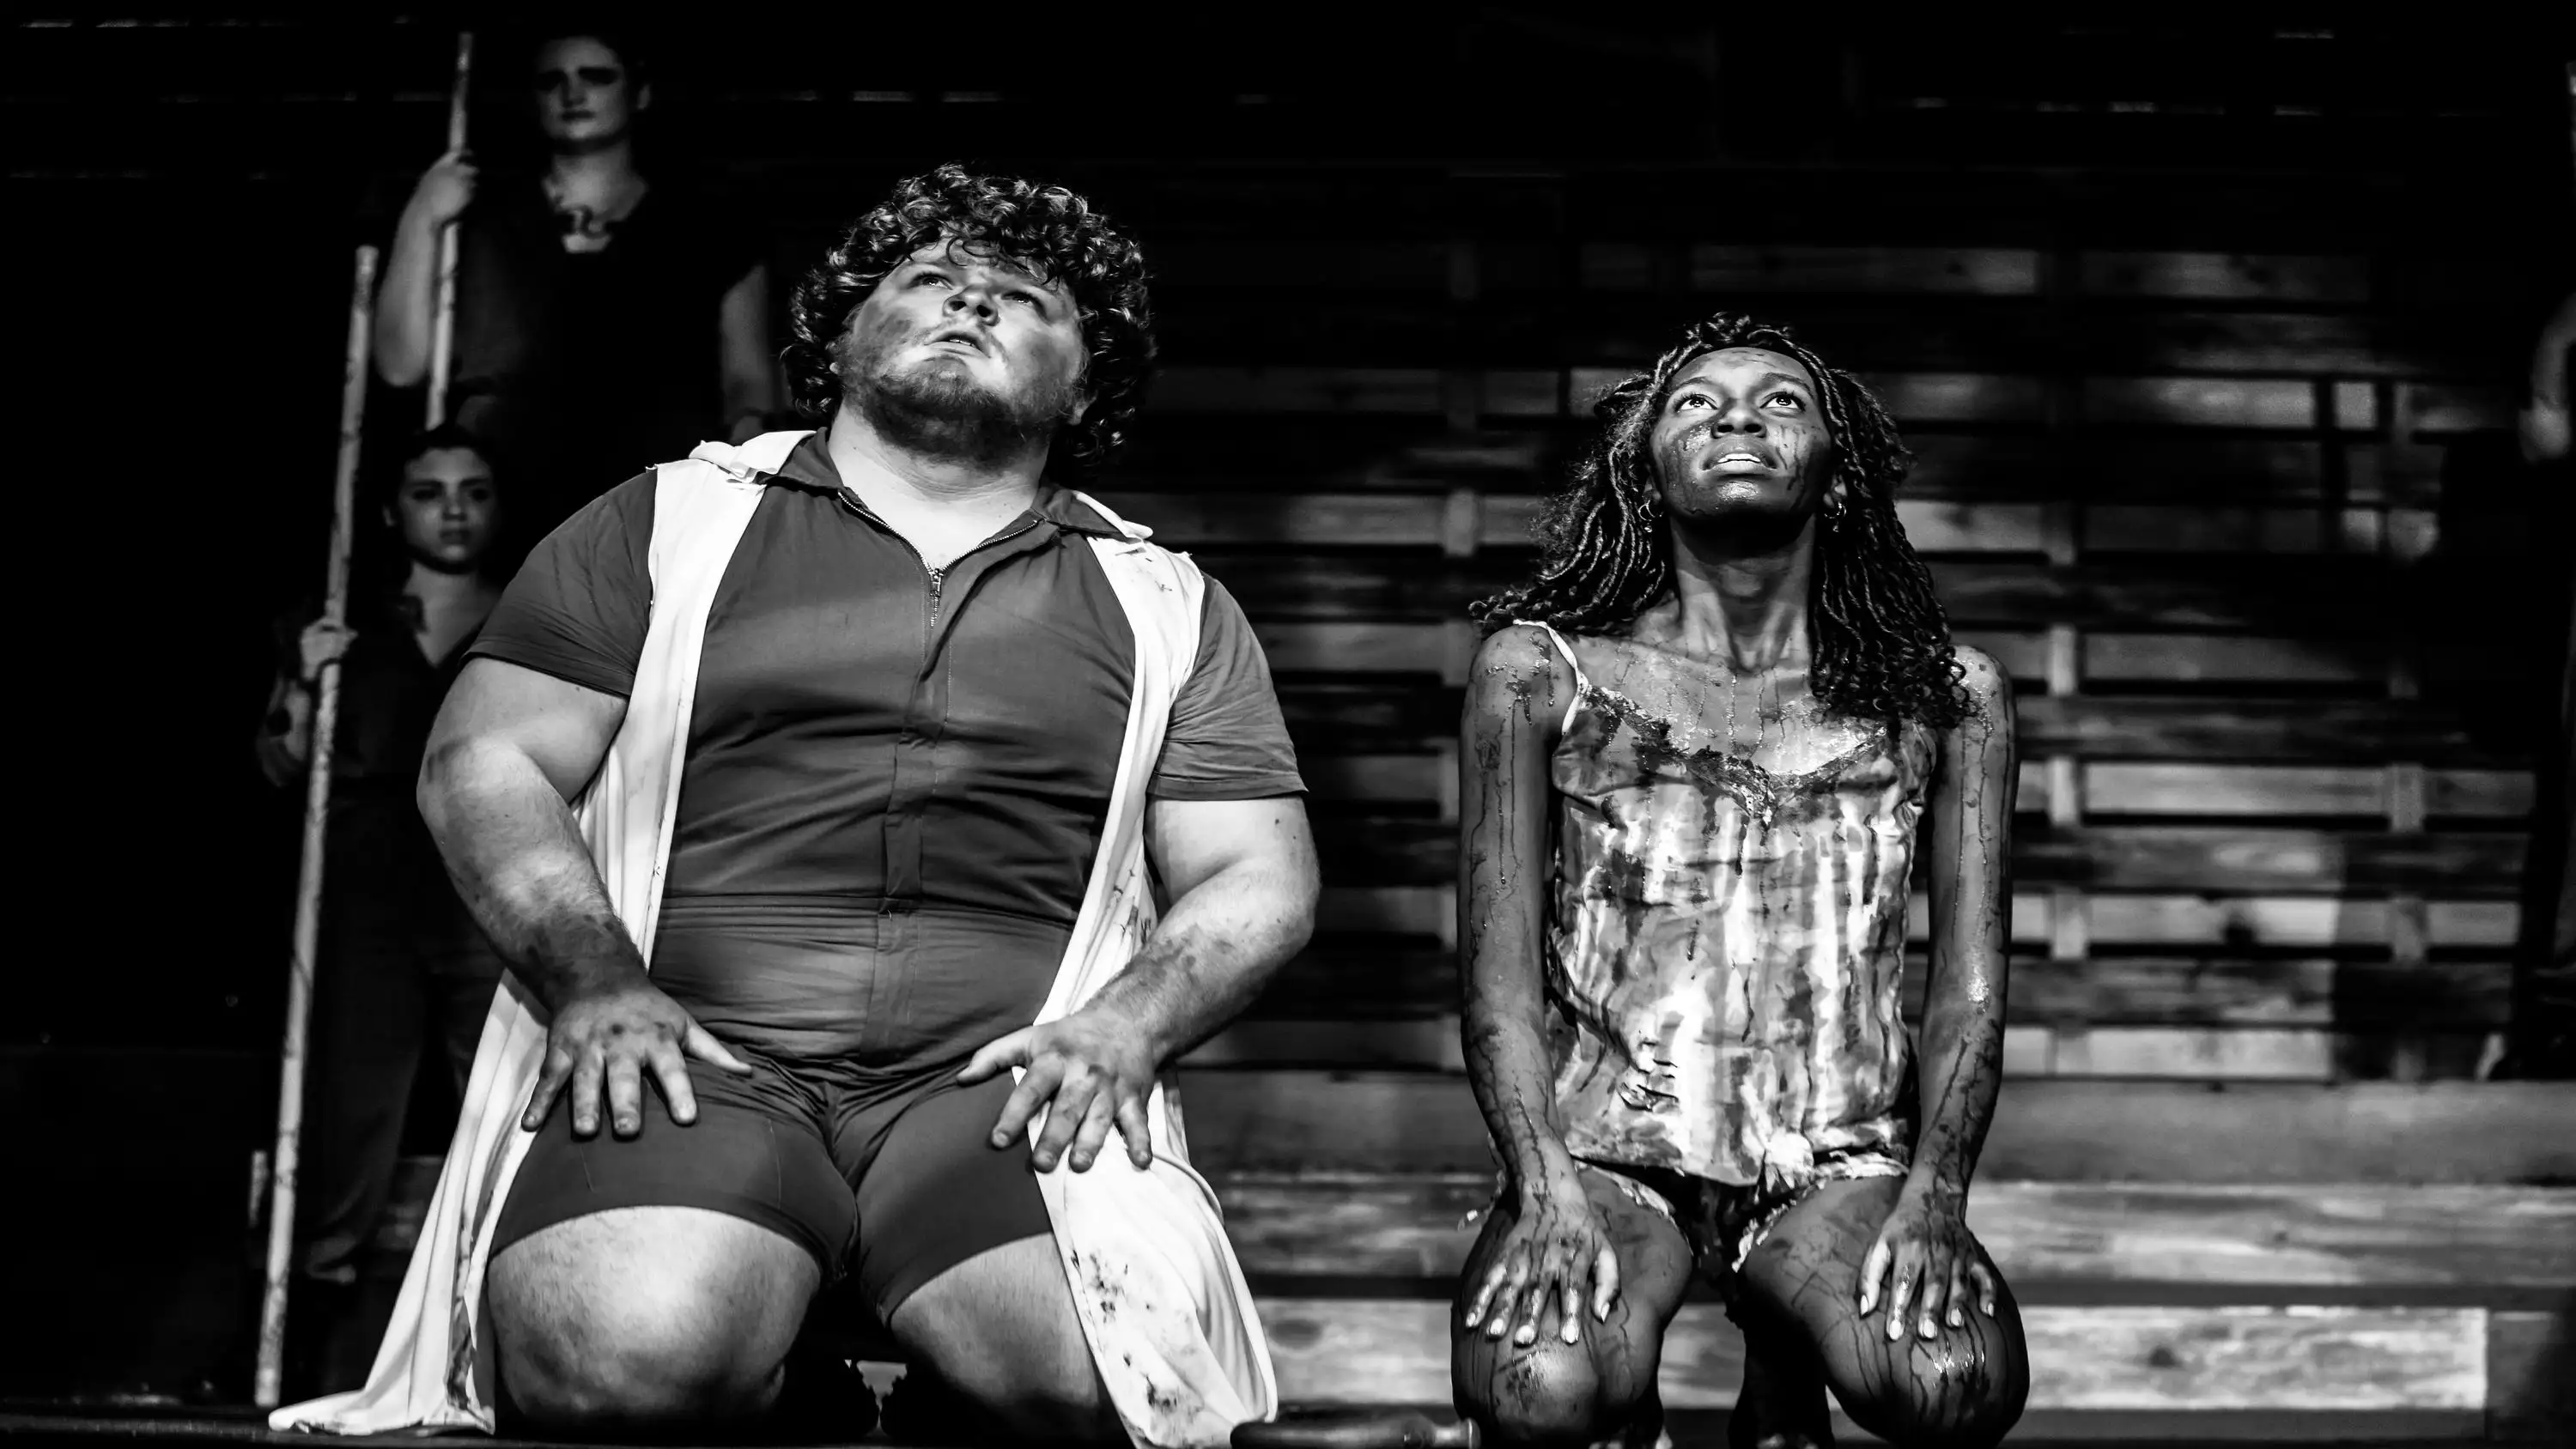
x=1051 y=232
x=1880 y=642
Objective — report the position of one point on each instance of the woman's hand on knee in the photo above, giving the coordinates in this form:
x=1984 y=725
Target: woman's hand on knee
x=1557 y=1249
x=1927 y=1262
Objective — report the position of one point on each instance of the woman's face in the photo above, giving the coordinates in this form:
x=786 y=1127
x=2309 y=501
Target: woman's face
x=447 y=509
x=1742 y=437
x=586 y=98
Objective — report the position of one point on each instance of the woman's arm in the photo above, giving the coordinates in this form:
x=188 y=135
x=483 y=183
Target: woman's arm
x=1960 y=1064
x=1517 y=691
x=1555 y=1250
x=408 y=298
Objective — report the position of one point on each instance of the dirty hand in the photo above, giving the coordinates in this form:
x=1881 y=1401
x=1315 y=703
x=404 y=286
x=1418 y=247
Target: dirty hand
x=1926 y=1260
x=1089 y=1071
x=321 y=642
x=1556 y=1247
x=607 y=1037
x=444 y=191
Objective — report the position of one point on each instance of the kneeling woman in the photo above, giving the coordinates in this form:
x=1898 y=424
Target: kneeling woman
x=1696 y=764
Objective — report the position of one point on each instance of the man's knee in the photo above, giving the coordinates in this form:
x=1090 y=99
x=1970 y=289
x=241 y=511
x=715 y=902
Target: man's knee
x=1000 y=1333
x=588 y=1340
x=633 y=1379
x=1549 y=1395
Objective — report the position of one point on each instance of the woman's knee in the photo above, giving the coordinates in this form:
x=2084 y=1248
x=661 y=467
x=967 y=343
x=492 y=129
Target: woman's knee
x=1550 y=1394
x=1962 y=1390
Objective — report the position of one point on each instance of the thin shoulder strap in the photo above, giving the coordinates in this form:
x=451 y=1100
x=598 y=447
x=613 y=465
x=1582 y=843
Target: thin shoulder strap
x=1581 y=681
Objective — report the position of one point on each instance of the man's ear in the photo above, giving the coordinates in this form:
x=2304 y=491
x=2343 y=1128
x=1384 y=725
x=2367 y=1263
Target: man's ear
x=644 y=97
x=1081 y=405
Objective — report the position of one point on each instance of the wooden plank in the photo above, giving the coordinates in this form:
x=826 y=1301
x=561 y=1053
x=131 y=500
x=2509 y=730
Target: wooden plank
x=2200 y=402
x=2146 y=858
x=2445 y=408
x=1416 y=1225
x=2261 y=729
x=2230 y=1053
x=2147 y=528
x=2079 y=1130
x=2233 y=659
x=1191 y=452
x=1397 y=390
x=1935 y=397
x=2159 y=858
x=1980 y=271
x=2262 y=790
x=1363 y=713
x=2124 y=789
x=1390 y=264
x=1378 y=1351
x=2286 y=921
x=2228 y=276
x=1378 y=974
x=1419 y=1226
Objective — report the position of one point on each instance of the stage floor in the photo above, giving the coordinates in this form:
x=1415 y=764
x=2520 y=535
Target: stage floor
x=28 y=1426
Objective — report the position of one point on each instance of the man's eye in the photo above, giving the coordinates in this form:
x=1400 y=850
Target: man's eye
x=930 y=278
x=1791 y=398
x=1032 y=298
x=1689 y=400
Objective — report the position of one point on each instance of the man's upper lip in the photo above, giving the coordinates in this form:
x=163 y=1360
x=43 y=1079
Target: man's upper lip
x=1732 y=446
x=960 y=334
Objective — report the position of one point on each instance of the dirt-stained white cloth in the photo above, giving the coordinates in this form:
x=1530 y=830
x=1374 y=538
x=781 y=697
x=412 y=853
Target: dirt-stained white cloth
x=1163 y=1302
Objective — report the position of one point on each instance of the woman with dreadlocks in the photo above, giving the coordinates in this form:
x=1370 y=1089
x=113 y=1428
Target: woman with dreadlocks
x=1696 y=759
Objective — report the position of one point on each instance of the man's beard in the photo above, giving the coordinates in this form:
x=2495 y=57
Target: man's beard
x=946 y=412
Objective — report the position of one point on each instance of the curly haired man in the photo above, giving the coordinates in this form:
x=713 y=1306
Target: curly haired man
x=1698 y=758
x=909 y=733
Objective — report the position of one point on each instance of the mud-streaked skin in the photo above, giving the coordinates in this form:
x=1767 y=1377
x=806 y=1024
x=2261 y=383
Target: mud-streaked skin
x=1682 y=922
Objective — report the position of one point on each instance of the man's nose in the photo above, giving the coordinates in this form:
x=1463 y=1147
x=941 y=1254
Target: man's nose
x=975 y=297
x=1741 y=418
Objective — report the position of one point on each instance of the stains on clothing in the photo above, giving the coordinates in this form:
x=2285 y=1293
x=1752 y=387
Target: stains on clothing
x=1726 y=943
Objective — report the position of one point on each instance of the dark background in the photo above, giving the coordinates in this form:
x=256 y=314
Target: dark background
x=184 y=189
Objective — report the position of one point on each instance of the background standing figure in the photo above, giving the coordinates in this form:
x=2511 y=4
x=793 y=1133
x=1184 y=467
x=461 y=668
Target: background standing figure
x=606 y=318
x=401 y=961
x=1694 y=771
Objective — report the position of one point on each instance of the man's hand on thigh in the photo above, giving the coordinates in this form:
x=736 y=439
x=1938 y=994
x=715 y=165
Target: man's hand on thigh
x=1088 y=1071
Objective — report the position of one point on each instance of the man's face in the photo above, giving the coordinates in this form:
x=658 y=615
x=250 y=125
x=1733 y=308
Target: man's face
x=585 y=98
x=1742 y=437
x=447 y=508
x=967 y=355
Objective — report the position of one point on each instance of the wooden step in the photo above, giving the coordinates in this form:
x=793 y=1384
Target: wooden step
x=2053 y=1131
x=2461 y=1363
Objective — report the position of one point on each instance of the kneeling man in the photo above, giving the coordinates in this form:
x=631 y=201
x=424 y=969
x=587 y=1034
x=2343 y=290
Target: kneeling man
x=864 y=739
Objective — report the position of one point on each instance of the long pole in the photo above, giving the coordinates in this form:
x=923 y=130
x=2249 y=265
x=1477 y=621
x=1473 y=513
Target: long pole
x=442 y=322
x=308 y=886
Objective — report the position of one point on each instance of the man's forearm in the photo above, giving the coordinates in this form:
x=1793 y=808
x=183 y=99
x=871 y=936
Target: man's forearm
x=518 y=861
x=1961 y=1069
x=1212 y=954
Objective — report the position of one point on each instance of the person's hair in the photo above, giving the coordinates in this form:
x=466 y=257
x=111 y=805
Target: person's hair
x=618 y=32
x=1051 y=232
x=437 y=440
x=1880 y=641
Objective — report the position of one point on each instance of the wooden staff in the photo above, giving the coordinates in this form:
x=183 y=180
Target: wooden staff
x=308 y=885
x=442 y=318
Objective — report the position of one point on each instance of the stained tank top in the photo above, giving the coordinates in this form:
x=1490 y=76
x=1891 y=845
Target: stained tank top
x=1726 y=945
